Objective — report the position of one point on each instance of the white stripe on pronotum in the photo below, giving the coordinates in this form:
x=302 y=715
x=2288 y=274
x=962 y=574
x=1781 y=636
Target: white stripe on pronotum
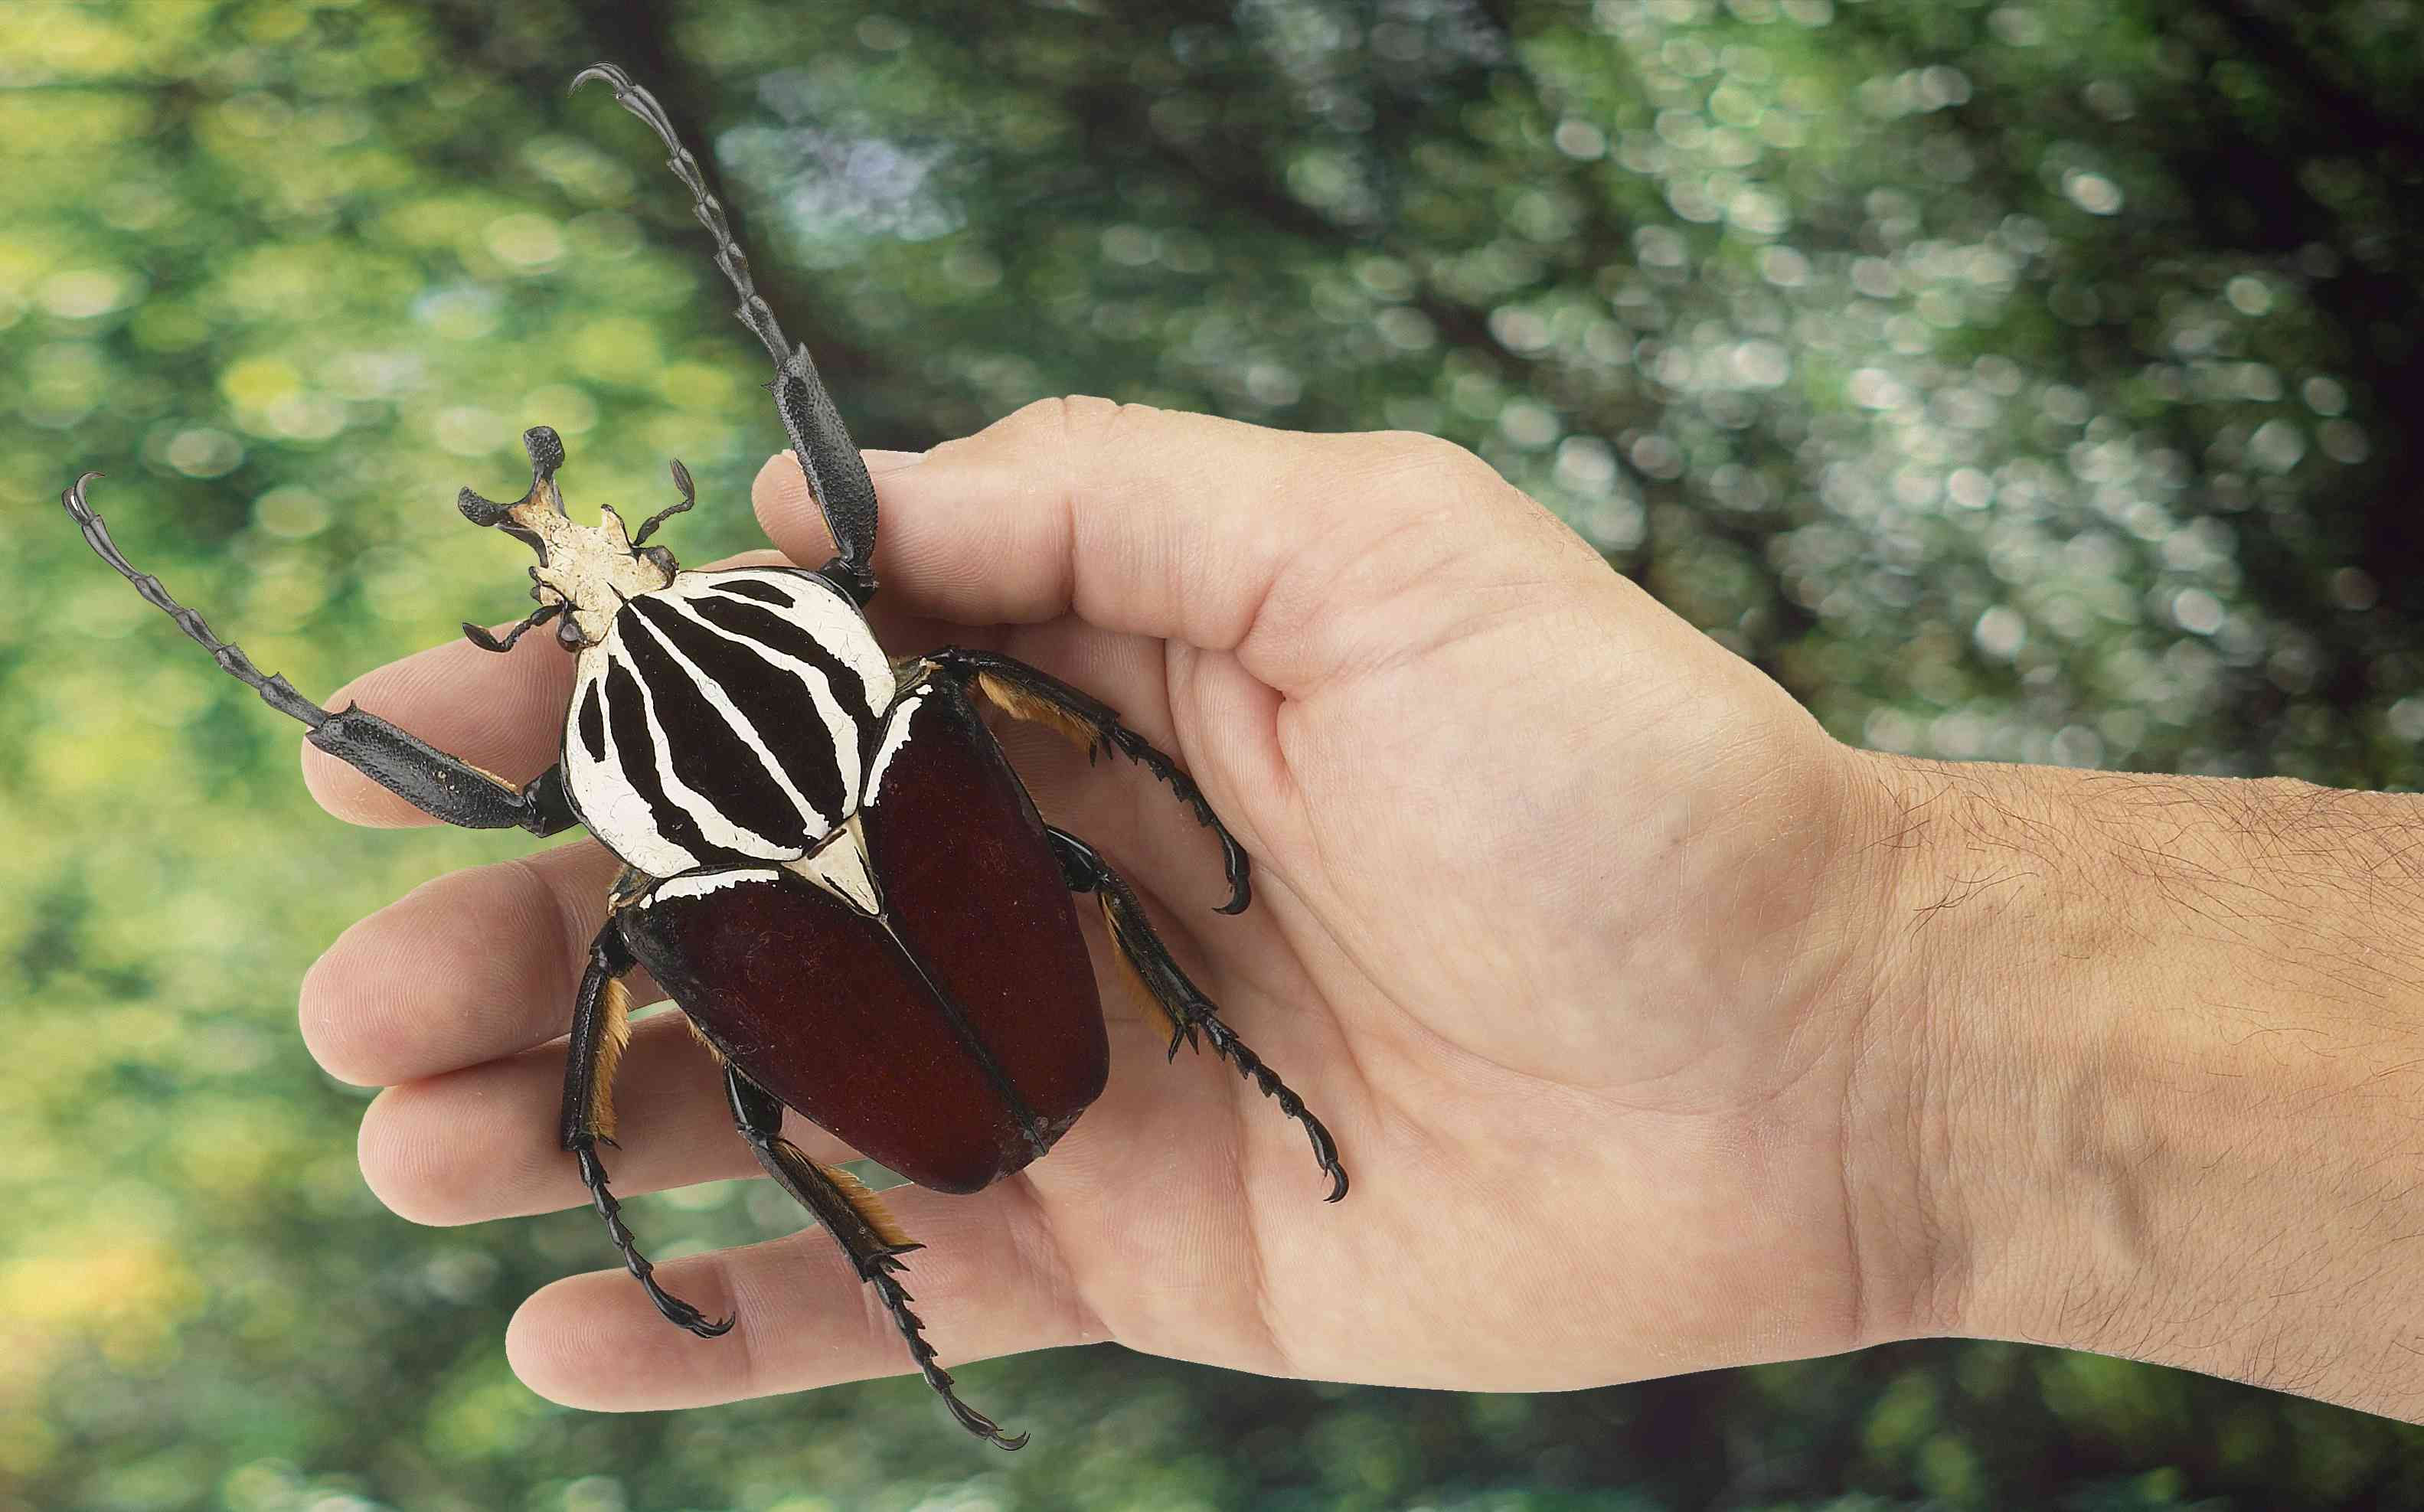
x=611 y=789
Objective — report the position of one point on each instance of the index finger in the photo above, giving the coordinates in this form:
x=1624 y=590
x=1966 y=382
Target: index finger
x=1206 y=532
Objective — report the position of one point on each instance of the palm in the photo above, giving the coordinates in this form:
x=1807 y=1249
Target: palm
x=1521 y=936
x=1484 y=1011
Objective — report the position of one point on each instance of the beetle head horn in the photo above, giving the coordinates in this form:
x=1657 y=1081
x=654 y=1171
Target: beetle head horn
x=589 y=571
x=522 y=519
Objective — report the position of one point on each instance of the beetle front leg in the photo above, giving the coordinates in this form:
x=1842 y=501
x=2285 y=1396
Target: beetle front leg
x=820 y=442
x=857 y=1220
x=1024 y=692
x=600 y=1028
x=440 y=785
x=443 y=786
x=1190 y=1013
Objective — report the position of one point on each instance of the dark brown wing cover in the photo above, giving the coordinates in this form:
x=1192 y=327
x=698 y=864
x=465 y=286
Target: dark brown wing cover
x=953 y=1046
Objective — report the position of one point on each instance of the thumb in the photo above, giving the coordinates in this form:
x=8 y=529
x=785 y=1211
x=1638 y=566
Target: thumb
x=1207 y=532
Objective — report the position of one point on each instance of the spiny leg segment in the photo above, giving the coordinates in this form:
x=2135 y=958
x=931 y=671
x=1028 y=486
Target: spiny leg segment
x=1192 y=1018
x=443 y=786
x=1026 y=693
x=858 y=1222
x=600 y=1028
x=836 y=473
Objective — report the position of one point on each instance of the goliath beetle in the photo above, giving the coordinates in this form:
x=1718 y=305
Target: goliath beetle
x=829 y=864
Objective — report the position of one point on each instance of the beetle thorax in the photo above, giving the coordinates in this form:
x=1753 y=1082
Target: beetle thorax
x=726 y=719
x=591 y=569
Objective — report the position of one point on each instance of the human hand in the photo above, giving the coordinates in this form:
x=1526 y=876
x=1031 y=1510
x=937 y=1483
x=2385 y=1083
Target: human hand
x=1563 y=924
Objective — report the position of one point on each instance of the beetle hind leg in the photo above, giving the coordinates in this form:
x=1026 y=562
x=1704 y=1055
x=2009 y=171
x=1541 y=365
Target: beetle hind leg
x=1193 y=1020
x=600 y=1028
x=857 y=1220
x=1024 y=692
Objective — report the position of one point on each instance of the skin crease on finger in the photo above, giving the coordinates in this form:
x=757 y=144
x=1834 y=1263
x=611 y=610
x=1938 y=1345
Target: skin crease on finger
x=1532 y=930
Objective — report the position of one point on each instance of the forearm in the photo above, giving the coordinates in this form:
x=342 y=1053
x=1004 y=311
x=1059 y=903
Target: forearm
x=2161 y=1042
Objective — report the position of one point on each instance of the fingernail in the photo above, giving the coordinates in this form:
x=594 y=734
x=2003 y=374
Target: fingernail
x=880 y=462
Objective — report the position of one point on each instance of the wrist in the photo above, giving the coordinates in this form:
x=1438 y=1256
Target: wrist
x=2158 y=1046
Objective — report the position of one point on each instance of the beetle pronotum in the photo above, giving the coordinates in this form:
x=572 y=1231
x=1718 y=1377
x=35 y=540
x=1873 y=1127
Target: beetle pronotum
x=828 y=862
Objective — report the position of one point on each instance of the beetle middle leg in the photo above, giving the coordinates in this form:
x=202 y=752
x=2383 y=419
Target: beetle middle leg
x=1193 y=1020
x=1025 y=692
x=857 y=1220
x=600 y=1028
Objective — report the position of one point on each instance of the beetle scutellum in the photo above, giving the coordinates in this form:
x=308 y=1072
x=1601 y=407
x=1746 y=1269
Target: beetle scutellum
x=828 y=862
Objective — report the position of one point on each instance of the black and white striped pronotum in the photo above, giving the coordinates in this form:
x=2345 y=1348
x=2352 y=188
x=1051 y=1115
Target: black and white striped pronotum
x=828 y=863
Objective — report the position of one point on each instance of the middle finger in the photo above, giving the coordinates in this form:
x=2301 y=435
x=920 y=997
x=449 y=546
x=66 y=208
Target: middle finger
x=477 y=965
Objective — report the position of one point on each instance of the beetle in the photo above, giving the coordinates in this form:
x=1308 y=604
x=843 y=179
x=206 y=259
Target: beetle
x=828 y=862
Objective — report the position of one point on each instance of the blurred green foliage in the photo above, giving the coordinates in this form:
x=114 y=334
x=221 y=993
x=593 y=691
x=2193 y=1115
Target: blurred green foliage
x=2031 y=380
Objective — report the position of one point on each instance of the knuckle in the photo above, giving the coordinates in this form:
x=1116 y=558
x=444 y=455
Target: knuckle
x=1086 y=417
x=1460 y=489
x=1068 y=412
x=1443 y=461
x=1087 y=434
x=1064 y=423
x=1018 y=432
x=1063 y=415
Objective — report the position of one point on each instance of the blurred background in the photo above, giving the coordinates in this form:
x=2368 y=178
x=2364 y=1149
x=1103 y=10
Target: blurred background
x=2032 y=380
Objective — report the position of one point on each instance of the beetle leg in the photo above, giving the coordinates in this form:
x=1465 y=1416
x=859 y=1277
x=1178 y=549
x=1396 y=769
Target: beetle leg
x=480 y=637
x=688 y=498
x=858 y=1222
x=1024 y=692
x=600 y=1028
x=836 y=473
x=1189 y=1011
x=443 y=786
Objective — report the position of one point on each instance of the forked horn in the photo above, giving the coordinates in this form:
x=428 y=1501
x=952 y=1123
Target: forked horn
x=545 y=449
